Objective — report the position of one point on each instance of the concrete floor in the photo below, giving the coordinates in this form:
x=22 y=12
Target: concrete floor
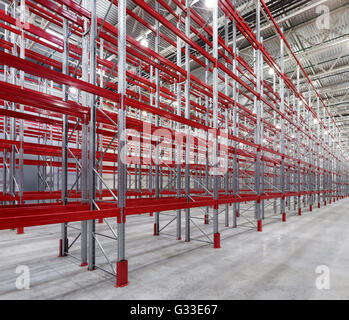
x=278 y=263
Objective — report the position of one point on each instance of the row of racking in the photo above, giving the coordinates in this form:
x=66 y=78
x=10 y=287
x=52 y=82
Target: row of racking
x=113 y=127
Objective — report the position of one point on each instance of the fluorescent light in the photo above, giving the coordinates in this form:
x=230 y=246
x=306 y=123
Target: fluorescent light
x=54 y=33
x=271 y=71
x=144 y=113
x=144 y=42
x=46 y=41
x=210 y=3
x=316 y=121
x=73 y=90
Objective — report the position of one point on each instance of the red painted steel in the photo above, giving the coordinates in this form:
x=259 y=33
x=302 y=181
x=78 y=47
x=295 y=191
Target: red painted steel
x=42 y=115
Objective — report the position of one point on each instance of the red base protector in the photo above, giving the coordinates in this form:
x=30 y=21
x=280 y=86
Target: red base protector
x=122 y=273
x=100 y=220
x=205 y=220
x=20 y=230
x=310 y=208
x=217 y=240
x=325 y=203
x=330 y=201
x=60 y=248
x=284 y=217
x=155 y=234
x=150 y=214
x=259 y=225
x=334 y=200
x=180 y=238
x=237 y=214
x=318 y=205
x=84 y=264
x=299 y=211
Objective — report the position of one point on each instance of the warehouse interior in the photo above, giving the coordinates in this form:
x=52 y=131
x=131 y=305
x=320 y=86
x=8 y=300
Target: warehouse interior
x=174 y=149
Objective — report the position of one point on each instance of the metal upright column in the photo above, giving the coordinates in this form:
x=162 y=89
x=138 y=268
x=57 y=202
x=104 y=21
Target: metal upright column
x=235 y=129
x=157 y=105
x=6 y=106
x=282 y=138
x=324 y=178
x=310 y=145
x=178 y=125
x=140 y=144
x=100 y=136
x=150 y=173
x=207 y=106
x=226 y=125
x=187 y=116
x=122 y=263
x=65 y=69
x=258 y=140
x=294 y=142
x=84 y=139
x=92 y=136
x=215 y=125
x=150 y=117
x=21 y=122
x=261 y=62
x=275 y=147
x=299 y=154
x=12 y=162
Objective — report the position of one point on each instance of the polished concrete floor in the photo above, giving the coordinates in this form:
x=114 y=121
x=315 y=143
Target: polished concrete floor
x=278 y=263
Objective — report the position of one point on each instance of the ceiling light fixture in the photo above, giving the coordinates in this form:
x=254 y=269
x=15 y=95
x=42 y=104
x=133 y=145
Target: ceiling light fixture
x=210 y=3
x=144 y=42
x=73 y=90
